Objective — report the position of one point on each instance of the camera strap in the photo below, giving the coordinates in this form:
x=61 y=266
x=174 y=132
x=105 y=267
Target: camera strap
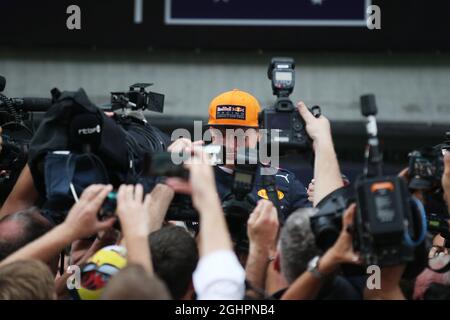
x=63 y=169
x=269 y=183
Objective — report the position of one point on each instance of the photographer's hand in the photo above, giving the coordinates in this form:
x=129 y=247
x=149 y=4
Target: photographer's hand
x=262 y=231
x=182 y=144
x=81 y=222
x=327 y=175
x=161 y=197
x=132 y=211
x=342 y=250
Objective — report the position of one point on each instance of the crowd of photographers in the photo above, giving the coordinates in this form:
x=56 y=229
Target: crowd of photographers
x=117 y=241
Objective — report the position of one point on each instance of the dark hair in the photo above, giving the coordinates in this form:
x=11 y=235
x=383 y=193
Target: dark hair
x=174 y=257
x=134 y=283
x=33 y=225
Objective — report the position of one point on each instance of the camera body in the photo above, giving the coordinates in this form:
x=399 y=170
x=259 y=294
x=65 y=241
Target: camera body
x=284 y=124
x=239 y=203
x=326 y=223
x=383 y=217
x=137 y=98
x=426 y=168
x=162 y=164
x=108 y=209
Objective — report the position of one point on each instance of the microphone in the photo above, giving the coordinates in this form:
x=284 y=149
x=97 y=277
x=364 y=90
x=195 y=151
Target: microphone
x=2 y=83
x=85 y=131
x=372 y=154
x=30 y=104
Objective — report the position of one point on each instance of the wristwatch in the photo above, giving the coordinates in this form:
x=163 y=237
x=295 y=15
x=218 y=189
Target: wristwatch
x=313 y=267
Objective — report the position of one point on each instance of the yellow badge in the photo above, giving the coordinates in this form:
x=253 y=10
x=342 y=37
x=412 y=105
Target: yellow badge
x=263 y=194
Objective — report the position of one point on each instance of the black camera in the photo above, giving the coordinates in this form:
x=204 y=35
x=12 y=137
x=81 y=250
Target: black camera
x=137 y=98
x=239 y=203
x=17 y=132
x=326 y=224
x=162 y=164
x=426 y=166
x=284 y=124
x=108 y=209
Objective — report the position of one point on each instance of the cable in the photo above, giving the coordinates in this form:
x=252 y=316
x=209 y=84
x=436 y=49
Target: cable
x=409 y=241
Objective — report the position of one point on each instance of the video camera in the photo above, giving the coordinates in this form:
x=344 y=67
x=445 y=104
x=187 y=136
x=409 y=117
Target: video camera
x=426 y=166
x=283 y=115
x=17 y=131
x=385 y=218
x=137 y=98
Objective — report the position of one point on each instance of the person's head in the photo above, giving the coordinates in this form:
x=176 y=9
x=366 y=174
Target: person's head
x=21 y=228
x=26 y=280
x=134 y=283
x=297 y=245
x=174 y=257
x=233 y=122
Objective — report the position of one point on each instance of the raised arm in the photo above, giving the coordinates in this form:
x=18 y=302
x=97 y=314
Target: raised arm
x=81 y=222
x=23 y=194
x=262 y=230
x=327 y=175
x=132 y=210
x=307 y=286
x=219 y=274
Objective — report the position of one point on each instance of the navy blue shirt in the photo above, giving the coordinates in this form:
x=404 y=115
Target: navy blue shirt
x=292 y=193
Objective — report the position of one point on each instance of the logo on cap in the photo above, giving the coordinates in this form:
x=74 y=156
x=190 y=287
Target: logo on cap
x=230 y=112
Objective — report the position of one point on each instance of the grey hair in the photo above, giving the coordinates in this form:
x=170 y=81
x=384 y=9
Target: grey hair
x=297 y=244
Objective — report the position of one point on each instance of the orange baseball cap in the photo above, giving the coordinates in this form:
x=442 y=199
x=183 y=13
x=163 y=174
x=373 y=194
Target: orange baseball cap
x=234 y=108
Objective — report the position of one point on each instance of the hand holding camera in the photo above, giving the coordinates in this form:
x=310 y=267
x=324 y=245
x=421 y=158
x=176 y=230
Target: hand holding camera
x=82 y=221
x=318 y=128
x=133 y=210
x=201 y=184
x=262 y=227
x=342 y=250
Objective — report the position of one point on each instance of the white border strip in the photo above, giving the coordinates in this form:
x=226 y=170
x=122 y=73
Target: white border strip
x=263 y=22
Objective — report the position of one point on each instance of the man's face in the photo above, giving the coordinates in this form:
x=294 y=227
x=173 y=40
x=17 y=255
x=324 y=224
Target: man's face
x=234 y=138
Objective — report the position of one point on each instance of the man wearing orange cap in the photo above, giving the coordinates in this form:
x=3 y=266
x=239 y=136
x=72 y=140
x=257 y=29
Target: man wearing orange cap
x=234 y=110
